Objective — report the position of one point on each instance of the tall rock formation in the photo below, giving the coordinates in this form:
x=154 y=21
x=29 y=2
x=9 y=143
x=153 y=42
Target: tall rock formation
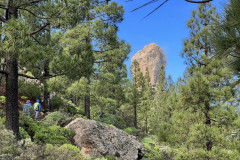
x=151 y=57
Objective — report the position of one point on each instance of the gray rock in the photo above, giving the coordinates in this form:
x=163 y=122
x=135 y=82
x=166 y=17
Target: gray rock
x=97 y=140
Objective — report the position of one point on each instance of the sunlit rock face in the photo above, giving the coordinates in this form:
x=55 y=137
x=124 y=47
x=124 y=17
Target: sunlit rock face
x=151 y=57
x=98 y=140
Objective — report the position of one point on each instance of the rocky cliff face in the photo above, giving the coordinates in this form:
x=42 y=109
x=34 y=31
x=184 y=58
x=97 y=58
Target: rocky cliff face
x=96 y=140
x=151 y=57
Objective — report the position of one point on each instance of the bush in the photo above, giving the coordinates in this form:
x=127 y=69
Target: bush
x=134 y=131
x=110 y=157
x=2 y=114
x=64 y=152
x=153 y=151
x=29 y=150
x=8 y=143
x=2 y=99
x=41 y=134
x=56 y=103
x=57 y=119
x=53 y=135
x=68 y=134
x=3 y=120
x=23 y=133
x=114 y=120
x=54 y=118
x=70 y=109
x=24 y=97
x=46 y=135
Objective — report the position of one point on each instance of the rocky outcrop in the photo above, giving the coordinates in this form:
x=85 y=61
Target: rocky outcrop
x=97 y=140
x=151 y=57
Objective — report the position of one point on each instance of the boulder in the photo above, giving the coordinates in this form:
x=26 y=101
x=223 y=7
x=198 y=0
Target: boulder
x=98 y=140
x=151 y=57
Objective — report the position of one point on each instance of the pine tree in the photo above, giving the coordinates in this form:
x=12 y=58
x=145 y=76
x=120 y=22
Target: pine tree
x=204 y=94
x=104 y=49
x=24 y=24
x=145 y=103
x=162 y=108
x=226 y=38
x=136 y=89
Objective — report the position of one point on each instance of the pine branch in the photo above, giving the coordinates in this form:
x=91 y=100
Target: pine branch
x=101 y=61
x=36 y=40
x=31 y=3
x=150 y=2
x=41 y=28
x=156 y=8
x=33 y=13
x=202 y=1
x=3 y=72
x=30 y=77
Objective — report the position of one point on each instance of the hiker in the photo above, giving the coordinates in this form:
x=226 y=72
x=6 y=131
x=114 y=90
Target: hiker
x=27 y=107
x=101 y=116
x=37 y=108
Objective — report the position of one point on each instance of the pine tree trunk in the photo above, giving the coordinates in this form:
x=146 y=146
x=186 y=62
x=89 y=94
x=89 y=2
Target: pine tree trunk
x=146 y=123
x=87 y=100
x=208 y=123
x=12 y=113
x=135 y=115
x=46 y=93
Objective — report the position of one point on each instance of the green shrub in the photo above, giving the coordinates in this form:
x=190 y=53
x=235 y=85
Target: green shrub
x=53 y=135
x=54 y=118
x=41 y=134
x=56 y=103
x=66 y=133
x=153 y=151
x=81 y=111
x=110 y=157
x=23 y=133
x=8 y=144
x=57 y=118
x=24 y=97
x=70 y=109
x=3 y=120
x=98 y=158
x=45 y=135
x=114 y=120
x=64 y=152
x=29 y=150
x=31 y=90
x=2 y=114
x=132 y=130
x=2 y=99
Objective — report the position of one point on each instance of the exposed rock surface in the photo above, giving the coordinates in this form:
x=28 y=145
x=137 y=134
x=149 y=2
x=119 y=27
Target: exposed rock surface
x=151 y=57
x=96 y=140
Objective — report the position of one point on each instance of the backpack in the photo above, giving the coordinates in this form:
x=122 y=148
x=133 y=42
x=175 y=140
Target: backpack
x=36 y=106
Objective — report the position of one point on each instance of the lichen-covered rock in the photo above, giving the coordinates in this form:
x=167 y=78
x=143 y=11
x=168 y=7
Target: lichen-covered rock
x=151 y=57
x=96 y=140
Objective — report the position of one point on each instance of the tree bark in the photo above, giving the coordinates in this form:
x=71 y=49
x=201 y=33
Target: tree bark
x=208 y=123
x=46 y=94
x=135 y=115
x=12 y=113
x=87 y=99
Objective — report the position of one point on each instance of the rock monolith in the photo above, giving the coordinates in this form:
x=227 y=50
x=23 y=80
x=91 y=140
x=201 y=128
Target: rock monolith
x=151 y=57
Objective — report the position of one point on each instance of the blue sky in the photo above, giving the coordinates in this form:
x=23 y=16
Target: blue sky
x=165 y=27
